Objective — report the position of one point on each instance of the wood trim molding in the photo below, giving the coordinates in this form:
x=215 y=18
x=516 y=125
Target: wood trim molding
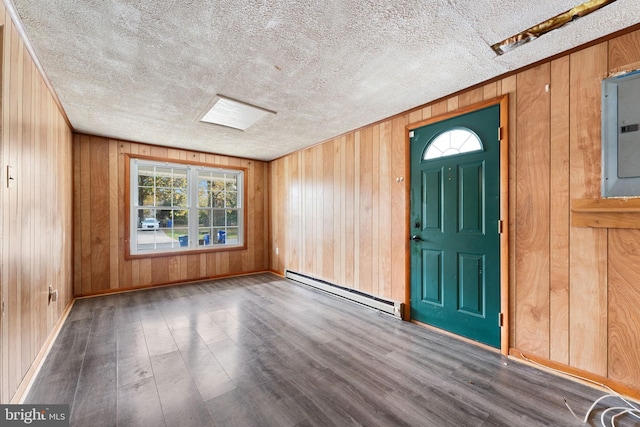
x=171 y=283
x=503 y=102
x=127 y=207
x=30 y=376
x=576 y=374
x=606 y=213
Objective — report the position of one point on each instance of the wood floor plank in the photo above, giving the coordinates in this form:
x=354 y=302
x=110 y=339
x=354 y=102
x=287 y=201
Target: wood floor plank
x=179 y=396
x=260 y=350
x=139 y=404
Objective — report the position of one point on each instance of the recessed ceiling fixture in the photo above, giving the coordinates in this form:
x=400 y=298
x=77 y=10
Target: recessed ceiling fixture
x=234 y=114
x=548 y=25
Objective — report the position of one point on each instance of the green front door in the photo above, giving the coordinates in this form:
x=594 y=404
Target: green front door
x=455 y=208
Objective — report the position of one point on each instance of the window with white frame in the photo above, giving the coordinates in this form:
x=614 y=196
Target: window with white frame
x=180 y=207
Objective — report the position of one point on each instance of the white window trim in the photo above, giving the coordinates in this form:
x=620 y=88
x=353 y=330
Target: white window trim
x=192 y=206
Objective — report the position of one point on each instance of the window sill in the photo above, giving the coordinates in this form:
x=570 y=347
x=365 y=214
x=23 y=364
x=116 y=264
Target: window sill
x=184 y=252
x=606 y=213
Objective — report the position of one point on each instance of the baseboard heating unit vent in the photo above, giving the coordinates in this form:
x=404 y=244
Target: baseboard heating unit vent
x=385 y=305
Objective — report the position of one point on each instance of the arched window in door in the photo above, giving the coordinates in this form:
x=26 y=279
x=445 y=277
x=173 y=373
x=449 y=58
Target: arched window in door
x=452 y=142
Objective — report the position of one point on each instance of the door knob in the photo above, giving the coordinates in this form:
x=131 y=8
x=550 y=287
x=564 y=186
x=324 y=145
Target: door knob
x=416 y=238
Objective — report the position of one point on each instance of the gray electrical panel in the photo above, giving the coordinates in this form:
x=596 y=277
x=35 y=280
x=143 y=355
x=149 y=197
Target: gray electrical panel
x=621 y=135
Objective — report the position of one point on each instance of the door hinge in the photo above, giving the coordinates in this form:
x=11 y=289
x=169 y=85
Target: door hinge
x=500 y=133
x=500 y=319
x=500 y=222
x=411 y=134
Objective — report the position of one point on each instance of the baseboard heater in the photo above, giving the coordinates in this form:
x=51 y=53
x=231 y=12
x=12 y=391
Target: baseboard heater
x=388 y=306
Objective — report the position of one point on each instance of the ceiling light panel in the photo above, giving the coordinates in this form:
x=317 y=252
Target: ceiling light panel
x=234 y=114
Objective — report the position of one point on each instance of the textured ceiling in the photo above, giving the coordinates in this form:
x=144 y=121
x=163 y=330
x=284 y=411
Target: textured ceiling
x=148 y=70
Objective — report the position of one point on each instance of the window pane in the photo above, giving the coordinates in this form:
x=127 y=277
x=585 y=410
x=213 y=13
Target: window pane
x=144 y=213
x=180 y=198
x=204 y=237
x=180 y=178
x=166 y=218
x=180 y=218
x=219 y=236
x=232 y=218
x=232 y=235
x=204 y=218
x=218 y=199
x=203 y=193
x=218 y=218
x=163 y=196
x=163 y=177
x=145 y=176
x=232 y=199
x=164 y=207
x=146 y=196
x=231 y=183
x=453 y=142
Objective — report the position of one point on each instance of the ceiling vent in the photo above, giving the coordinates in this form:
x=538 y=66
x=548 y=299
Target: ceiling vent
x=549 y=25
x=234 y=114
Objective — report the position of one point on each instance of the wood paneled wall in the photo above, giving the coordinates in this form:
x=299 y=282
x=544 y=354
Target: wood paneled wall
x=99 y=222
x=35 y=211
x=339 y=213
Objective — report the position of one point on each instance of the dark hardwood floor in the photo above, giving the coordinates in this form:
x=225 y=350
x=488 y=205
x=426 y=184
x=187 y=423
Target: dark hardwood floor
x=262 y=351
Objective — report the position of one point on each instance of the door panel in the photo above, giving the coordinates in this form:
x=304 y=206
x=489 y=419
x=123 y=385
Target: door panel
x=455 y=249
x=471 y=212
x=432 y=277
x=471 y=287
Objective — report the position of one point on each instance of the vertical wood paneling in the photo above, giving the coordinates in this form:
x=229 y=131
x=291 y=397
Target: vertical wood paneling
x=471 y=97
x=365 y=215
x=507 y=86
x=114 y=206
x=624 y=300
x=85 y=213
x=15 y=134
x=350 y=213
x=99 y=222
x=35 y=219
x=125 y=267
x=326 y=224
x=559 y=213
x=355 y=225
x=100 y=192
x=532 y=212
x=623 y=52
x=25 y=220
x=623 y=259
x=588 y=247
x=439 y=108
x=318 y=207
x=557 y=274
x=294 y=213
x=338 y=158
x=398 y=234
x=376 y=288
x=309 y=245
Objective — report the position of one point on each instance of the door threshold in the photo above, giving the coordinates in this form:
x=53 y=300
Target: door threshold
x=456 y=336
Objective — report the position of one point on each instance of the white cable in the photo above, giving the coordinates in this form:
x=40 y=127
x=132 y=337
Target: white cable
x=627 y=411
x=633 y=410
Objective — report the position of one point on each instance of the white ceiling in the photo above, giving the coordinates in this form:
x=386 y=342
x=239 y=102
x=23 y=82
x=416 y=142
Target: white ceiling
x=148 y=70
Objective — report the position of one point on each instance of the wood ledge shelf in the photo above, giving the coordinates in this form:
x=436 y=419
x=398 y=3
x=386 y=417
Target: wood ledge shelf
x=606 y=213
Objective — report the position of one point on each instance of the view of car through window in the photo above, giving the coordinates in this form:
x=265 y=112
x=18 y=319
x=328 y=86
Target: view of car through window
x=150 y=224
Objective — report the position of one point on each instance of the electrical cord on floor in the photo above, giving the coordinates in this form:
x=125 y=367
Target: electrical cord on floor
x=630 y=409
